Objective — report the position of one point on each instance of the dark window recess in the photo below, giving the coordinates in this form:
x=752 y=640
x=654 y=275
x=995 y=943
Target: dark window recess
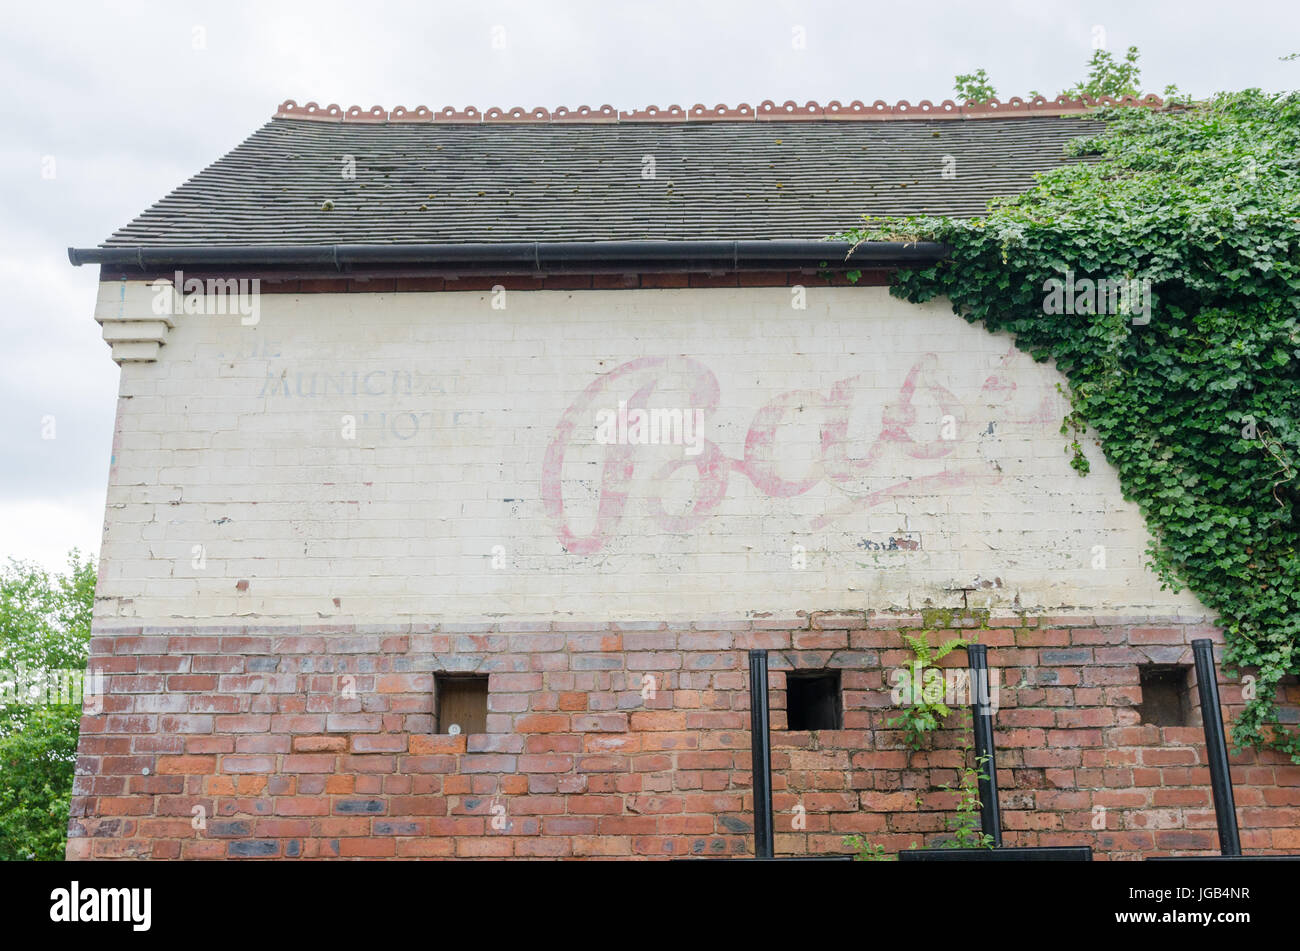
x=1166 y=694
x=461 y=703
x=812 y=700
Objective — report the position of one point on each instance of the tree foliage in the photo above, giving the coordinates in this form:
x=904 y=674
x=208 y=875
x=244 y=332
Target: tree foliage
x=1197 y=408
x=44 y=627
x=1108 y=76
x=974 y=86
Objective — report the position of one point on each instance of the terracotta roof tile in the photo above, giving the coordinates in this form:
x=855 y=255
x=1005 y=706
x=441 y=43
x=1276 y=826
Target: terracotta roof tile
x=744 y=112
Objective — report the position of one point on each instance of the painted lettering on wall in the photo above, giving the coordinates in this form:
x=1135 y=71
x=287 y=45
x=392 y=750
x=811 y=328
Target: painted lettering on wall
x=288 y=383
x=922 y=443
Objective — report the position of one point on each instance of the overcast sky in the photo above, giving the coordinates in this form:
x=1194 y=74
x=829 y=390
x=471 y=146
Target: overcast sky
x=123 y=101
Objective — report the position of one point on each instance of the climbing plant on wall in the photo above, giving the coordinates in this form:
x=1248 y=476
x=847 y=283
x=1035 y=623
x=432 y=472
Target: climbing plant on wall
x=1161 y=272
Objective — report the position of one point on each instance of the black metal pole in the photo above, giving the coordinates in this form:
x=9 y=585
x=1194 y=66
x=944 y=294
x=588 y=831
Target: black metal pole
x=1216 y=747
x=982 y=714
x=761 y=744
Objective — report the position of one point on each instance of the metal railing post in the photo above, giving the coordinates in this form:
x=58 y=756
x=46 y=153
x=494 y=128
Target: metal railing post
x=982 y=715
x=1216 y=747
x=761 y=745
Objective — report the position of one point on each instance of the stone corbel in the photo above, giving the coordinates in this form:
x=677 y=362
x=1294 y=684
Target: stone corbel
x=128 y=312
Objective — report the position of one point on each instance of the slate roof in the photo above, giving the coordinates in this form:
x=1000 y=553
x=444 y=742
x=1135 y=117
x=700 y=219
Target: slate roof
x=449 y=182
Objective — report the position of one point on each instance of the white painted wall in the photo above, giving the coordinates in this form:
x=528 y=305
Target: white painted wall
x=223 y=443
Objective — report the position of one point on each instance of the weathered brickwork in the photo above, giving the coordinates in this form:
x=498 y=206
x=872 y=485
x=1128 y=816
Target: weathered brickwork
x=854 y=452
x=317 y=743
x=314 y=513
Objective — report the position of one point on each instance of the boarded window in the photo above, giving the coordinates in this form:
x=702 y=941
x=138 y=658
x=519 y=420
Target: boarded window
x=461 y=703
x=812 y=700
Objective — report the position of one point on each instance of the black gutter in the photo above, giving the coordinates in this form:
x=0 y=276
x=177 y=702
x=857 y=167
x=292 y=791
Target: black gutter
x=537 y=256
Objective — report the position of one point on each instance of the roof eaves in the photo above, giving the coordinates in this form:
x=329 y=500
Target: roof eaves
x=531 y=256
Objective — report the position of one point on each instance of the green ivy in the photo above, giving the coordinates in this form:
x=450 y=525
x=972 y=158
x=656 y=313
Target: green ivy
x=1195 y=406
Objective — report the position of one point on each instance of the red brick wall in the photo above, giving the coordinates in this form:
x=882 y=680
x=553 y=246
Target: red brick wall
x=254 y=725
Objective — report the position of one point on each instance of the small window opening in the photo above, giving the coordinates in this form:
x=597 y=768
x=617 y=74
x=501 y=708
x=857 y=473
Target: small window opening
x=812 y=700
x=461 y=703
x=1166 y=699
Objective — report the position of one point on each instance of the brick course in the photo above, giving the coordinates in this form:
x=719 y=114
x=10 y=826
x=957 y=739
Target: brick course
x=326 y=750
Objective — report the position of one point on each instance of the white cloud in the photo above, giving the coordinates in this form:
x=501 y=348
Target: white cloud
x=45 y=530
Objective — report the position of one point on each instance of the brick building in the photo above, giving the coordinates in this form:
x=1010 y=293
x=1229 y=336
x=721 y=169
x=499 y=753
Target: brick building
x=460 y=457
